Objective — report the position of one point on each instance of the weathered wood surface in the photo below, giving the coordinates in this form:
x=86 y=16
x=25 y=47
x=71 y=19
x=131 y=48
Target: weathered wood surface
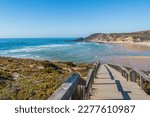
x=109 y=84
x=66 y=90
x=90 y=81
x=133 y=75
x=143 y=75
x=73 y=89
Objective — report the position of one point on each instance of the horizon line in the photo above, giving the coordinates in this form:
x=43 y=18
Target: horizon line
x=34 y=37
x=78 y=36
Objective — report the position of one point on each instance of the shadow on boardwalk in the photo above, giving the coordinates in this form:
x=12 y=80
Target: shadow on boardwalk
x=119 y=86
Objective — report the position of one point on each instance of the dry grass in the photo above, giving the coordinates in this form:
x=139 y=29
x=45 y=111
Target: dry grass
x=28 y=79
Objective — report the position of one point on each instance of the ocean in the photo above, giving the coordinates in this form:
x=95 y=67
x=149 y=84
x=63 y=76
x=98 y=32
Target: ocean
x=63 y=49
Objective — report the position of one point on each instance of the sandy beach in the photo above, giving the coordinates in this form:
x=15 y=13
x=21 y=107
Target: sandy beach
x=140 y=46
x=141 y=62
x=128 y=44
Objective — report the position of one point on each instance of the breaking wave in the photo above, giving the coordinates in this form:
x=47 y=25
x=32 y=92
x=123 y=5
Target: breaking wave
x=58 y=50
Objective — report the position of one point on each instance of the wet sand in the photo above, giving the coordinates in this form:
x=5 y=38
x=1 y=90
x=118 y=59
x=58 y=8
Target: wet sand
x=136 y=46
x=141 y=62
x=130 y=45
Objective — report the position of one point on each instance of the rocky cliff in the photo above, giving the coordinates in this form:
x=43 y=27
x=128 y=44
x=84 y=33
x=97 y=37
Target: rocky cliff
x=134 y=36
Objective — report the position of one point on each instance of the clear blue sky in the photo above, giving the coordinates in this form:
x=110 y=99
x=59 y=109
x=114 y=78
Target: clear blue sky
x=72 y=18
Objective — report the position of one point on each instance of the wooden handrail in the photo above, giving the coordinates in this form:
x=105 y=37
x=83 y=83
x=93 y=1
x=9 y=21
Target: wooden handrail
x=72 y=89
x=131 y=74
x=90 y=80
x=133 y=69
x=142 y=74
x=125 y=69
x=89 y=77
x=66 y=90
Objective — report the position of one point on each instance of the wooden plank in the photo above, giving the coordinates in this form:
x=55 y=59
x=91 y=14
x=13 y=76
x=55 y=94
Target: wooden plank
x=66 y=90
x=117 y=88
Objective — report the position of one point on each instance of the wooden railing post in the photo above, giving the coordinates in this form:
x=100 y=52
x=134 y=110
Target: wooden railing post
x=129 y=76
x=133 y=76
x=75 y=94
x=141 y=82
x=79 y=93
x=86 y=93
x=122 y=72
x=83 y=91
x=90 y=80
x=72 y=89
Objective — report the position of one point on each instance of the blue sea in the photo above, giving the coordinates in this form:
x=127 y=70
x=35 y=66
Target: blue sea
x=63 y=49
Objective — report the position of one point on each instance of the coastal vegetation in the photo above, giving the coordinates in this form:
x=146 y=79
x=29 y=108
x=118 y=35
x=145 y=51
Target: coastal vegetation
x=28 y=79
x=147 y=87
x=142 y=36
x=147 y=84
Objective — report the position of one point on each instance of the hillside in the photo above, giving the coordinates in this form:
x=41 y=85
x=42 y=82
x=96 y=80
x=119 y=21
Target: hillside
x=28 y=79
x=141 y=36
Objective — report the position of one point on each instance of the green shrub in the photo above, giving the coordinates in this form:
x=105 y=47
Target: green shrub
x=70 y=64
x=36 y=82
x=48 y=64
x=4 y=75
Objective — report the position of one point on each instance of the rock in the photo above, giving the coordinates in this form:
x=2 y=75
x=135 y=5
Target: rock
x=16 y=76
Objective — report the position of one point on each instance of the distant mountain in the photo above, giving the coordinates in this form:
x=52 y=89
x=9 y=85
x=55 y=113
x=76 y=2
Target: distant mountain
x=133 y=36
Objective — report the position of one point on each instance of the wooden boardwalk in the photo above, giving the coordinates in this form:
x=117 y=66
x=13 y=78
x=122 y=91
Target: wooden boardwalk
x=109 y=84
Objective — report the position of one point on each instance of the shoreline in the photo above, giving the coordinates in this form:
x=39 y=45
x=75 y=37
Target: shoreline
x=141 y=62
x=138 y=46
x=129 y=44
